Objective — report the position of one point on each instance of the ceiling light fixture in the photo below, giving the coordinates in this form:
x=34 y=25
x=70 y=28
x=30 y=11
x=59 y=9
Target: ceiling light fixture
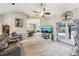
x=13 y=3
x=42 y=12
x=67 y=15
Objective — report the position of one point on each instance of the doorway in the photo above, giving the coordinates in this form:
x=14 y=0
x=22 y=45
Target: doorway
x=66 y=31
x=6 y=29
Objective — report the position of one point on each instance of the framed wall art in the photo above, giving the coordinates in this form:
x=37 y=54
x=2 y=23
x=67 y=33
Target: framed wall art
x=18 y=22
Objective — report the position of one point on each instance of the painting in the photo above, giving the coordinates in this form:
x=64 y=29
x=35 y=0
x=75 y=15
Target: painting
x=18 y=22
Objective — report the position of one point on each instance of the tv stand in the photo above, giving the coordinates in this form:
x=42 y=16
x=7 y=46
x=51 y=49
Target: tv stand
x=48 y=36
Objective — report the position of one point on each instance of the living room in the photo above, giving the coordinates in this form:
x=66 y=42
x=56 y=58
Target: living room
x=31 y=29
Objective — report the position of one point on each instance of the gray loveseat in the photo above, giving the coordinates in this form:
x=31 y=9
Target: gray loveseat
x=4 y=41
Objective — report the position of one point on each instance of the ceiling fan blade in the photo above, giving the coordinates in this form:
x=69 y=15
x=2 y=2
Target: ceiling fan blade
x=35 y=11
x=44 y=9
x=37 y=15
x=46 y=13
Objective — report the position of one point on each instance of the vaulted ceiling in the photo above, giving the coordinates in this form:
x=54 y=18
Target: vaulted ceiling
x=28 y=8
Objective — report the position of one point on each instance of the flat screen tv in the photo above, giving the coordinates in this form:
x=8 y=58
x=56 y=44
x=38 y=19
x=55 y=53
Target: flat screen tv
x=46 y=29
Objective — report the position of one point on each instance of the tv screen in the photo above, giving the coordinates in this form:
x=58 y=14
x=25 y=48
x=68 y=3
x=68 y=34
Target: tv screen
x=46 y=29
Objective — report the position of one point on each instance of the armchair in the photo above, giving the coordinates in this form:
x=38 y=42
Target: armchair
x=15 y=36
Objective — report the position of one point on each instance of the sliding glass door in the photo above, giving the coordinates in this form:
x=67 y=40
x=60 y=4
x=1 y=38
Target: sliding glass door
x=66 y=31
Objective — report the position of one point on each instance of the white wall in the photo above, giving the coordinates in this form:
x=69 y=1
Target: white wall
x=34 y=21
x=75 y=13
x=57 y=18
x=52 y=21
x=0 y=24
x=9 y=19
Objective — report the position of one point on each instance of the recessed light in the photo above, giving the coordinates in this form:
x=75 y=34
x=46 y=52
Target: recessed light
x=13 y=3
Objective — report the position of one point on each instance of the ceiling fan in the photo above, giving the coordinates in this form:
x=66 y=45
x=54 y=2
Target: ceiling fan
x=42 y=12
x=67 y=15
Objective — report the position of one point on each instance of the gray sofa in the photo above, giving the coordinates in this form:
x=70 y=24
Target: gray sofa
x=4 y=41
x=15 y=36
